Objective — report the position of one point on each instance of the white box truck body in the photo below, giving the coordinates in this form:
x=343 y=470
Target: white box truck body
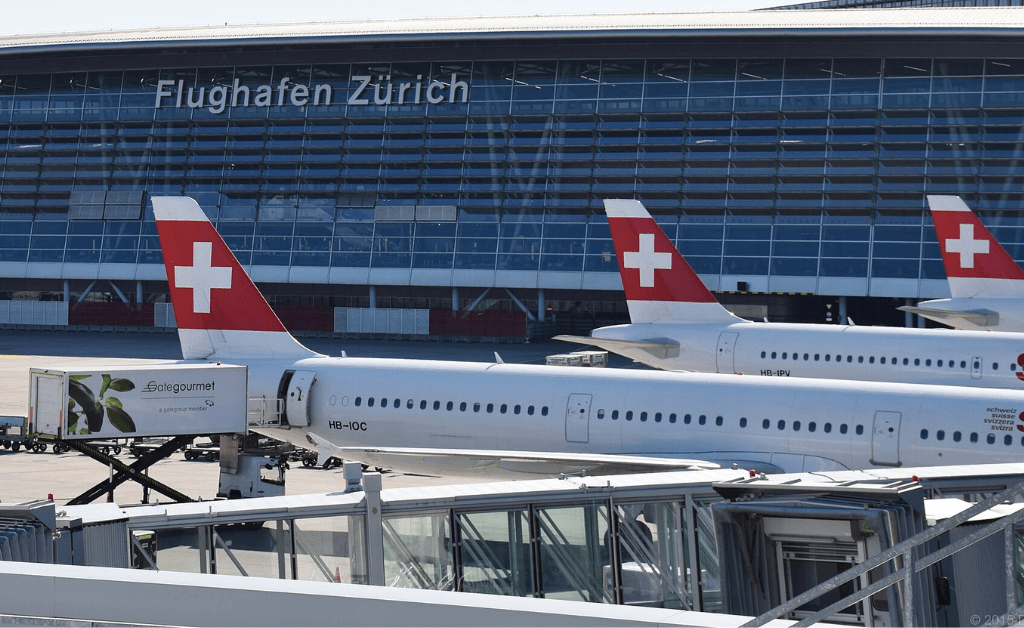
x=135 y=401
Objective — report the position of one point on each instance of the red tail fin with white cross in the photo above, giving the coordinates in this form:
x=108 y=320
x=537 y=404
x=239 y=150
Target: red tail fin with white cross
x=219 y=311
x=976 y=264
x=660 y=286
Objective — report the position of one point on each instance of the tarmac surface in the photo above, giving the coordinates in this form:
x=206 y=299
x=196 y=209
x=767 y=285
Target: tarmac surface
x=26 y=476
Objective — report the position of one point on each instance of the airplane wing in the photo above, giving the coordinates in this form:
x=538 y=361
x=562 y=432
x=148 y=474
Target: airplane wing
x=981 y=318
x=501 y=463
x=658 y=347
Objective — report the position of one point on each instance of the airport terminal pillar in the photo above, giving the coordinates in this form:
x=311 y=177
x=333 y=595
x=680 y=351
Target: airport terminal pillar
x=455 y=299
x=540 y=305
x=373 y=297
x=138 y=291
x=842 y=311
x=908 y=318
x=67 y=291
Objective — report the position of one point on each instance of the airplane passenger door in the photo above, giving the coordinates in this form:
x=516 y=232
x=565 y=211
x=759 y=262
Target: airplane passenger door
x=296 y=402
x=726 y=344
x=976 y=367
x=577 y=419
x=885 y=439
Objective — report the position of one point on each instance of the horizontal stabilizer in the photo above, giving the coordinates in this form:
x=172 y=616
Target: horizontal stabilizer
x=981 y=318
x=502 y=463
x=658 y=347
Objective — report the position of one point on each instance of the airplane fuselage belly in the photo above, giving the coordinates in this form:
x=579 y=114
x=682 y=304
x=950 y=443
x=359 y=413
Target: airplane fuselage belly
x=915 y=356
x=793 y=424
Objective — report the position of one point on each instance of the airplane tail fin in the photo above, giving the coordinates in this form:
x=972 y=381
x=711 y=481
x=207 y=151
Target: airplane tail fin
x=976 y=264
x=660 y=286
x=219 y=311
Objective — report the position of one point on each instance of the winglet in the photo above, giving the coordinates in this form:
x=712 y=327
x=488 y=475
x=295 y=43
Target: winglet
x=660 y=286
x=975 y=263
x=219 y=311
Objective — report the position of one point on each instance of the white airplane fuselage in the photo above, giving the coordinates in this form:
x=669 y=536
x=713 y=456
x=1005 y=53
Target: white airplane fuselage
x=884 y=354
x=786 y=425
x=1009 y=311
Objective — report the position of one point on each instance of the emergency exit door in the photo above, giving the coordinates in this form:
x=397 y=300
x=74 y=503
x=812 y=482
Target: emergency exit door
x=885 y=439
x=577 y=418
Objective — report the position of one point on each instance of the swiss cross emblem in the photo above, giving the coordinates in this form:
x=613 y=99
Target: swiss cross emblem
x=202 y=276
x=646 y=260
x=966 y=246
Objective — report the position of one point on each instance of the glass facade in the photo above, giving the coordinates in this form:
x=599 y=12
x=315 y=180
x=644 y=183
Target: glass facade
x=759 y=166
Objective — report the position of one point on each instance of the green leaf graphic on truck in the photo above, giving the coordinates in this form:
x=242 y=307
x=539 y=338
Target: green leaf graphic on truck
x=82 y=403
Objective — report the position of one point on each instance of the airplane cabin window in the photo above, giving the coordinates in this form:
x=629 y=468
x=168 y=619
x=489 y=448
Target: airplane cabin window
x=940 y=435
x=956 y=437
x=784 y=354
x=995 y=366
x=686 y=419
x=928 y=362
x=882 y=360
x=359 y=401
x=842 y=428
x=894 y=361
x=476 y=406
x=976 y=364
x=828 y=357
x=871 y=360
x=812 y=426
x=529 y=410
x=743 y=421
x=384 y=402
x=672 y=418
x=773 y=355
x=763 y=353
x=917 y=361
x=718 y=421
x=849 y=358
x=766 y=424
x=504 y=408
x=643 y=417
x=703 y=419
x=657 y=417
x=544 y=411
x=437 y=405
x=600 y=414
x=462 y=407
x=991 y=439
x=398 y=403
x=860 y=430
x=905 y=361
x=409 y=404
x=629 y=415
x=952 y=364
x=490 y=408
x=963 y=364
x=815 y=357
x=1007 y=440
x=939 y=363
x=974 y=437
x=615 y=415
x=451 y=404
x=781 y=425
x=828 y=428
x=796 y=426
x=423 y=404
x=517 y=408
x=860 y=359
x=924 y=434
x=805 y=357
x=369 y=402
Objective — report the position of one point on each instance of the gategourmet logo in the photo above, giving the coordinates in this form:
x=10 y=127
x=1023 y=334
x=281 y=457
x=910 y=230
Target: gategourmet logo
x=383 y=91
x=180 y=387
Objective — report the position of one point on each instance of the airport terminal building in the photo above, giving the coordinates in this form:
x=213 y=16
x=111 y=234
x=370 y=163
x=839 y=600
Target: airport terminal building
x=374 y=172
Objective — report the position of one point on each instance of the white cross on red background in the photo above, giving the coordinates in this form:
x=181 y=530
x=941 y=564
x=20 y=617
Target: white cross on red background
x=966 y=246
x=646 y=260
x=202 y=276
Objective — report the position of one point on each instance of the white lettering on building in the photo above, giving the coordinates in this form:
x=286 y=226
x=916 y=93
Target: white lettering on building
x=376 y=90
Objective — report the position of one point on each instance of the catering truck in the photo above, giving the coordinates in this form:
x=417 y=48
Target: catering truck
x=137 y=401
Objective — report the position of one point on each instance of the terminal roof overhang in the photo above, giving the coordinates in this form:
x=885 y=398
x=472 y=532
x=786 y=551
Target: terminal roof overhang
x=958 y=22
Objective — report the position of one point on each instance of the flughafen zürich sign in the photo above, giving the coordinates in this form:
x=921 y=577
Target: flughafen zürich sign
x=367 y=92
